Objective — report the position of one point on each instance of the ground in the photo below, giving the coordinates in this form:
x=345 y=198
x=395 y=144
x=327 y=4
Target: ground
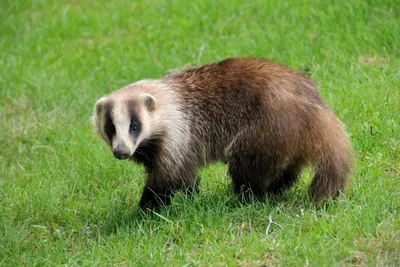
x=64 y=199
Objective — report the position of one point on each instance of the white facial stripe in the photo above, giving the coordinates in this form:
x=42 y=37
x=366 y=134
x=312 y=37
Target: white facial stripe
x=122 y=121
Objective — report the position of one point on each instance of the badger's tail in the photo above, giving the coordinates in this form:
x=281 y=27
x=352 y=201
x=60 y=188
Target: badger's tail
x=334 y=159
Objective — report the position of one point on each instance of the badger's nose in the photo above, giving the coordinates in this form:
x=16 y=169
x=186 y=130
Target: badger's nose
x=121 y=152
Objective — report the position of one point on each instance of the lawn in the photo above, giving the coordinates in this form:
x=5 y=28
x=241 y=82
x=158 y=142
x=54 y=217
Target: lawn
x=64 y=199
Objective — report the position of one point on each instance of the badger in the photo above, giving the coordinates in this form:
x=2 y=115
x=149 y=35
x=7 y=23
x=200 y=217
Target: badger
x=265 y=120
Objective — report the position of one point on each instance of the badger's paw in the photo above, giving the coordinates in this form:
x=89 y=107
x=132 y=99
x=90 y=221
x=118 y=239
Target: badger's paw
x=152 y=200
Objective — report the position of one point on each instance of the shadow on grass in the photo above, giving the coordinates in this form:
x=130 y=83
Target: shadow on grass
x=206 y=205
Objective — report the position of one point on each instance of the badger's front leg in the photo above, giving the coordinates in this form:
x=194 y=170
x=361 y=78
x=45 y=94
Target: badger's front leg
x=160 y=188
x=153 y=198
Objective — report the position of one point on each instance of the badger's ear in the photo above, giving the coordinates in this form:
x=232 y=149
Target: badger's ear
x=98 y=107
x=149 y=101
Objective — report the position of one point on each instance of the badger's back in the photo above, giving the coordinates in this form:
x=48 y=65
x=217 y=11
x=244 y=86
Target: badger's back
x=224 y=98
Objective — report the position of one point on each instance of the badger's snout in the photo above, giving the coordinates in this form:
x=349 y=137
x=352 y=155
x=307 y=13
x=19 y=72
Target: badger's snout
x=122 y=151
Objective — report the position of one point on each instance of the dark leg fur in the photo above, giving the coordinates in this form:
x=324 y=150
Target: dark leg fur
x=245 y=179
x=286 y=180
x=153 y=199
x=257 y=166
x=252 y=171
x=156 y=194
x=248 y=192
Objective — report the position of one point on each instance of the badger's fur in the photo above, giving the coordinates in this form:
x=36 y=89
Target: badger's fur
x=264 y=120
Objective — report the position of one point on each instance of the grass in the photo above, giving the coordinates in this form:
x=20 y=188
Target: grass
x=65 y=200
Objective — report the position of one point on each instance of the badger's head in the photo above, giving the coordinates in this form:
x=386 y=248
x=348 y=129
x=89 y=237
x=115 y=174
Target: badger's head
x=124 y=119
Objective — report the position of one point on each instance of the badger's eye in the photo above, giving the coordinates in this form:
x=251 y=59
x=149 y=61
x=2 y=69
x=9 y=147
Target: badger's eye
x=134 y=128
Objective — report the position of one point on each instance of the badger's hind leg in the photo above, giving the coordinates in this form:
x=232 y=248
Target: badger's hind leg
x=286 y=179
x=252 y=170
x=244 y=181
x=260 y=180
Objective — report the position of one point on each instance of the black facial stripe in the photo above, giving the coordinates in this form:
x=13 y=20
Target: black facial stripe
x=109 y=127
x=135 y=127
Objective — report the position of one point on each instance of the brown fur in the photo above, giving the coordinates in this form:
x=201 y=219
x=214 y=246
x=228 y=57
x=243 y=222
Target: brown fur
x=264 y=120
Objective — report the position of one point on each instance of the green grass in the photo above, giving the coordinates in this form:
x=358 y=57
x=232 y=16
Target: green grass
x=65 y=200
